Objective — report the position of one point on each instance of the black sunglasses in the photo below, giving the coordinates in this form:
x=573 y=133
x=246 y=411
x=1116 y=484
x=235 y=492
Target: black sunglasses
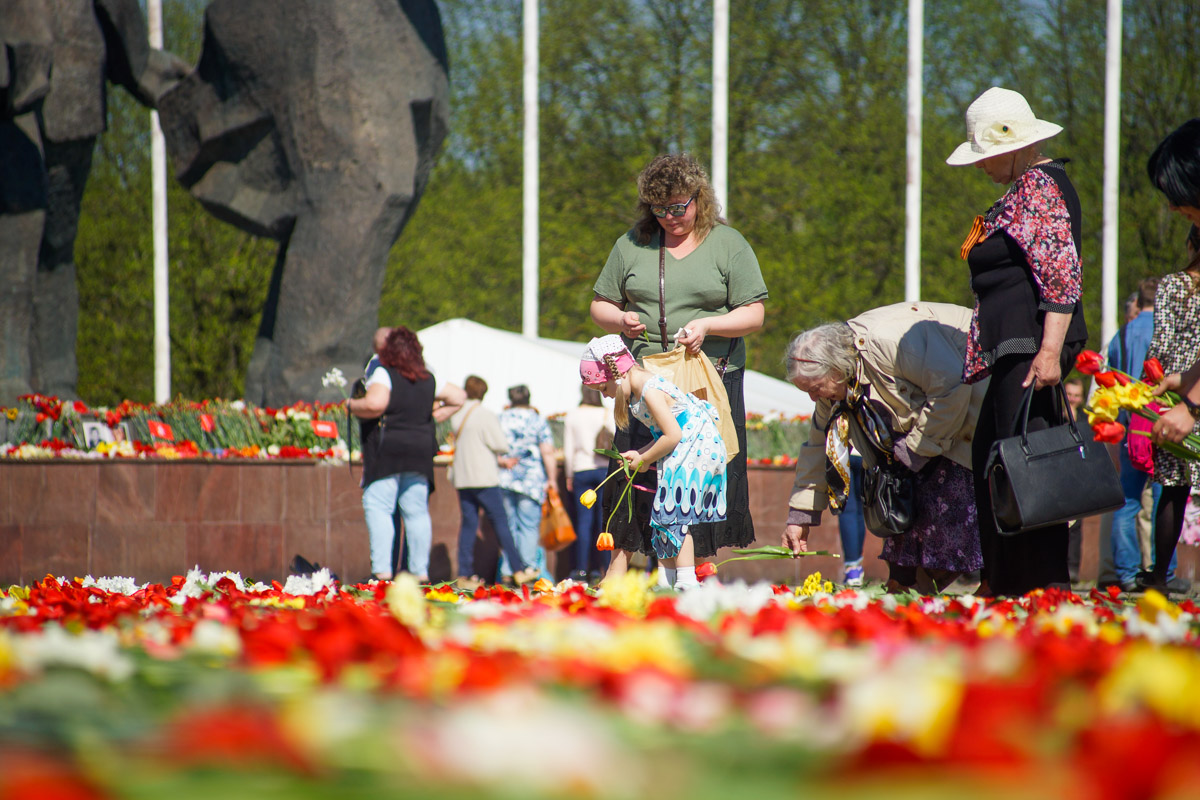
x=675 y=210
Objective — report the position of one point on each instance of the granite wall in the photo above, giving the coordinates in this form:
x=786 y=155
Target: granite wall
x=151 y=520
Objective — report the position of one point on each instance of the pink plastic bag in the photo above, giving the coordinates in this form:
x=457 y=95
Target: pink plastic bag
x=1141 y=451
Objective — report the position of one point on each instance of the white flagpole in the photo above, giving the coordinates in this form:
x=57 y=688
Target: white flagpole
x=1112 y=162
x=912 y=189
x=720 y=104
x=158 y=182
x=529 y=260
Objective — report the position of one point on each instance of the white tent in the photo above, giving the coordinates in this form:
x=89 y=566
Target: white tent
x=457 y=348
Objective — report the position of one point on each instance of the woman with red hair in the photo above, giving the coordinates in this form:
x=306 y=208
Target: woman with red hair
x=398 y=414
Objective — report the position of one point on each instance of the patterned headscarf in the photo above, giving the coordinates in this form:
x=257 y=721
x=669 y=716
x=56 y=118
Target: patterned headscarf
x=605 y=358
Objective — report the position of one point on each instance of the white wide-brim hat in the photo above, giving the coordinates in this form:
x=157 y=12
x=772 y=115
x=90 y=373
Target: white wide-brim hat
x=999 y=121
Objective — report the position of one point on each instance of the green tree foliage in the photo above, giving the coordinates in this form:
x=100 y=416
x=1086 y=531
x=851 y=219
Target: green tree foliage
x=816 y=172
x=218 y=275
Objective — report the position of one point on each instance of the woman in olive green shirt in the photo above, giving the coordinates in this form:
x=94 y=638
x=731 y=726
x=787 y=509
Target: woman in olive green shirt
x=712 y=293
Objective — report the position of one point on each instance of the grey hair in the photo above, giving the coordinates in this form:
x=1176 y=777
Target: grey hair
x=826 y=349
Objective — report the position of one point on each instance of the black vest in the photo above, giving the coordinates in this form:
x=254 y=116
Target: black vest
x=404 y=438
x=1011 y=315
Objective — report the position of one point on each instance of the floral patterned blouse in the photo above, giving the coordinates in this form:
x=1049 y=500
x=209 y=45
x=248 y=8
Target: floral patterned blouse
x=1032 y=213
x=527 y=431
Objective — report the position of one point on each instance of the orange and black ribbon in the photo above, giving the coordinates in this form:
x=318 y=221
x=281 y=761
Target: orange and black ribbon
x=973 y=238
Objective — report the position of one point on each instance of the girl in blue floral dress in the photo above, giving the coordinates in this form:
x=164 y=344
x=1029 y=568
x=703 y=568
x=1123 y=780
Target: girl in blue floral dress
x=687 y=449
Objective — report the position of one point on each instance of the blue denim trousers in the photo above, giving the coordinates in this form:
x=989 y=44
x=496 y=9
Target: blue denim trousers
x=1127 y=551
x=410 y=492
x=588 y=521
x=851 y=524
x=491 y=500
x=525 y=522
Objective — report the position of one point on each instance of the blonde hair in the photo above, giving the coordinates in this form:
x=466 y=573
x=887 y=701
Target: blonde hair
x=621 y=406
x=665 y=178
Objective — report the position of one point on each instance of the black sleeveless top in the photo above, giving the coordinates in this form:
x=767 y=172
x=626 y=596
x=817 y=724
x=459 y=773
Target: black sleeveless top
x=403 y=439
x=1011 y=314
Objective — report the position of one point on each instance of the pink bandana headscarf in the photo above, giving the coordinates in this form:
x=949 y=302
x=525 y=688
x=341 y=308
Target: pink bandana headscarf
x=592 y=367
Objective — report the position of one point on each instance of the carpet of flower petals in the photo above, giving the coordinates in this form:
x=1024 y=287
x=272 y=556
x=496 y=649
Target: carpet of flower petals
x=216 y=686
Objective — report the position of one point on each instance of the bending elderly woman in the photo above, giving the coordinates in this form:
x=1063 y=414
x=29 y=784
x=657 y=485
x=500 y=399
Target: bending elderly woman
x=906 y=361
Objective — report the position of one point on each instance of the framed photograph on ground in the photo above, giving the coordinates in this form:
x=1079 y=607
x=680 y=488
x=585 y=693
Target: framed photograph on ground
x=96 y=432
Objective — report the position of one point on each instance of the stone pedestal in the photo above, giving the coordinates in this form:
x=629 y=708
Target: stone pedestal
x=150 y=520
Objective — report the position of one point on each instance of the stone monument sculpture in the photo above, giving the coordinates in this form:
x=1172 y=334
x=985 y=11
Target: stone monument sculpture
x=311 y=122
x=55 y=57
x=314 y=123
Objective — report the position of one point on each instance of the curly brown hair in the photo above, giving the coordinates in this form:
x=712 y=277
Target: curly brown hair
x=402 y=352
x=669 y=176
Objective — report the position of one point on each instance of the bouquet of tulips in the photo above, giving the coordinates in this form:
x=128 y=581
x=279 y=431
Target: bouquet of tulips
x=605 y=540
x=1119 y=391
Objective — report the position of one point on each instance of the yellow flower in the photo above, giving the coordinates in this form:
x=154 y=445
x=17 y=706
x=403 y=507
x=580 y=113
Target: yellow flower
x=1104 y=406
x=630 y=593
x=1136 y=395
x=11 y=413
x=588 y=498
x=813 y=584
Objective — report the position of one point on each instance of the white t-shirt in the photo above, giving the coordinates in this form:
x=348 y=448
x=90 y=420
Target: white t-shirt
x=580 y=428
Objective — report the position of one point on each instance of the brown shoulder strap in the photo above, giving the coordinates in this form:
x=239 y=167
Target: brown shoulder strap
x=662 y=287
x=466 y=417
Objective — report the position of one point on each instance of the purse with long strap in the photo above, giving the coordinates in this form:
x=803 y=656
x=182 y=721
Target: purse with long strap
x=1051 y=476
x=889 y=488
x=723 y=362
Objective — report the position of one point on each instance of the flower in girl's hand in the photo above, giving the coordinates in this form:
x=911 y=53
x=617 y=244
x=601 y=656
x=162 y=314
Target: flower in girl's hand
x=1152 y=370
x=1089 y=362
x=604 y=541
x=588 y=498
x=1106 y=379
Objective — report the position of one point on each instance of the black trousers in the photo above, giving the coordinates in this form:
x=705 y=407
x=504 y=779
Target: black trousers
x=1017 y=563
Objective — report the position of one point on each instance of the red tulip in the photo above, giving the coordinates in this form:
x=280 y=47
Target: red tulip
x=1152 y=370
x=1110 y=432
x=1106 y=379
x=1122 y=378
x=1089 y=362
x=604 y=541
x=705 y=569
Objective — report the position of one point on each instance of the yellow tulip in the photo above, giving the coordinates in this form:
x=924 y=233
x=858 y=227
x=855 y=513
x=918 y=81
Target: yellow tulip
x=588 y=498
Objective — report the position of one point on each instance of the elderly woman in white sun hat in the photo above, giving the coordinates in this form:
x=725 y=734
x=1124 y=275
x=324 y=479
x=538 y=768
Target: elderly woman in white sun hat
x=1028 y=324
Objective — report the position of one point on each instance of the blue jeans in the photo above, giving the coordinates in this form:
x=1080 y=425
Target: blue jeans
x=525 y=521
x=409 y=491
x=588 y=520
x=470 y=501
x=1127 y=551
x=851 y=525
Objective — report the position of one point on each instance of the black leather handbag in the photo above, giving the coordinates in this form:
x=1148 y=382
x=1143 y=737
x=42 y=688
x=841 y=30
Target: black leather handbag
x=1050 y=476
x=889 y=488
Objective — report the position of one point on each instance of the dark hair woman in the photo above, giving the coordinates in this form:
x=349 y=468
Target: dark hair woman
x=397 y=417
x=1174 y=169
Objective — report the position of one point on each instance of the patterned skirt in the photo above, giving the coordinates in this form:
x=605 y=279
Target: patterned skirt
x=945 y=533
